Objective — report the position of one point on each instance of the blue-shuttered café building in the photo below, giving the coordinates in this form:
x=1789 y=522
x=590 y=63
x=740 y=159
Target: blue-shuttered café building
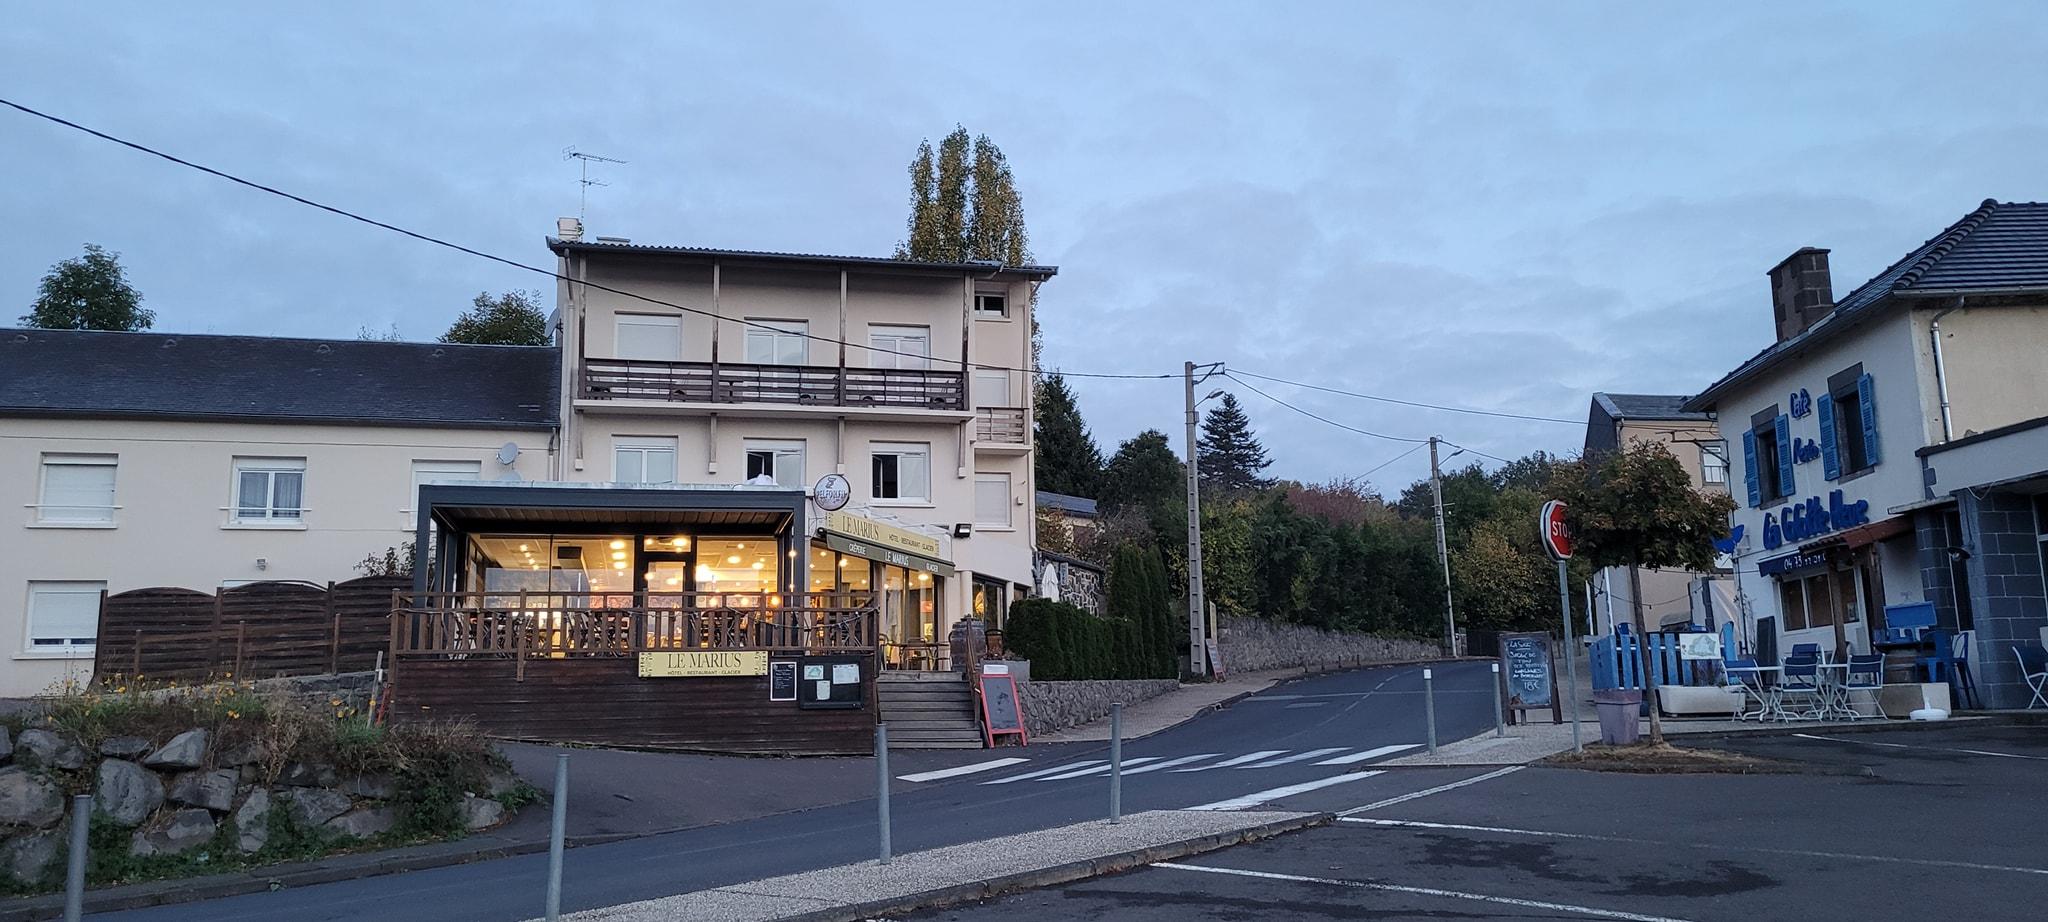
x=1894 y=452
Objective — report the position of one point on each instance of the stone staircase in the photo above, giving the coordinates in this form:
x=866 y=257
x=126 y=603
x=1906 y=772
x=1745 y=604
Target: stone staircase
x=928 y=710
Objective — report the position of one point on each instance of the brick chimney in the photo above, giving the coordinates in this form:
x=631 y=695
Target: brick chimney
x=1802 y=292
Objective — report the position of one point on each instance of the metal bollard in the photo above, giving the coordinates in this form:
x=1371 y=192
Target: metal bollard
x=882 y=786
x=1429 y=706
x=74 y=875
x=1116 y=762
x=556 y=833
x=1500 y=721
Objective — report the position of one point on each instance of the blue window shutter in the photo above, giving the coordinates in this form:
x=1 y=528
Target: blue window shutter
x=1866 y=395
x=1756 y=494
x=1830 y=462
x=1784 y=426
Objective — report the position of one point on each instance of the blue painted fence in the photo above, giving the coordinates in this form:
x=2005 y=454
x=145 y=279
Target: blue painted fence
x=1616 y=662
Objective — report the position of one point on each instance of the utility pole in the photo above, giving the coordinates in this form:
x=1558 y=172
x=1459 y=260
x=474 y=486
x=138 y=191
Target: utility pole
x=1436 y=491
x=1197 y=624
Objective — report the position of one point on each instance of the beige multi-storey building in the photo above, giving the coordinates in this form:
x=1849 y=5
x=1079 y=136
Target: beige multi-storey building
x=673 y=439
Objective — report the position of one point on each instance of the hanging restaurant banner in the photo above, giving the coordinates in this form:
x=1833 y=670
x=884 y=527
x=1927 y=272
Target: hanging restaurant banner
x=698 y=664
x=846 y=545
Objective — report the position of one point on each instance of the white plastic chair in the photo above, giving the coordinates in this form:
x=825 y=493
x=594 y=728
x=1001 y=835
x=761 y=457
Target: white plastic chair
x=2035 y=671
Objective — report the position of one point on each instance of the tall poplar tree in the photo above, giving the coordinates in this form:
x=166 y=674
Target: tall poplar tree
x=1231 y=456
x=1068 y=460
x=964 y=204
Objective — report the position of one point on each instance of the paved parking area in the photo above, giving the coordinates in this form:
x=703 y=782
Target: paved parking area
x=1949 y=823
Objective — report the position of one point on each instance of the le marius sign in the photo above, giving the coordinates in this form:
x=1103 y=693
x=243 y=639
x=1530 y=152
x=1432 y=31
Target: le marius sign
x=703 y=664
x=874 y=532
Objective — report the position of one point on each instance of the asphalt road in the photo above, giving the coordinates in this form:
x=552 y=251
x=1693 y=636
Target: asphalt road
x=1946 y=824
x=1321 y=733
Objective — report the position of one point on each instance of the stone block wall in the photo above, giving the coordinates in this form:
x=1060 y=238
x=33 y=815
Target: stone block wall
x=1255 y=644
x=1050 y=706
x=2006 y=591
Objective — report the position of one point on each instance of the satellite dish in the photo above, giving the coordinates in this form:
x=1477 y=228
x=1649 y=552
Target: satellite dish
x=508 y=453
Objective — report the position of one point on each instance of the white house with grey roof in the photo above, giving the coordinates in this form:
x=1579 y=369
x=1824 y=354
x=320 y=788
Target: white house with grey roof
x=1892 y=451
x=1670 y=596
x=138 y=460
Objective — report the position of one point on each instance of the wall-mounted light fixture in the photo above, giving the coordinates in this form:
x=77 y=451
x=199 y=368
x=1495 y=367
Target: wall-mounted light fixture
x=963 y=530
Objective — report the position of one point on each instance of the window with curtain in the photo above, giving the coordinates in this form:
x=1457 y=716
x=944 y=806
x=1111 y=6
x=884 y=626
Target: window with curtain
x=902 y=471
x=778 y=460
x=77 y=490
x=900 y=346
x=269 y=491
x=643 y=460
x=777 y=342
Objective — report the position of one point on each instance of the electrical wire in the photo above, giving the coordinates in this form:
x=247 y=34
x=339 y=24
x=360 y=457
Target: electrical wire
x=1415 y=403
x=1474 y=451
x=436 y=241
x=1376 y=468
x=1323 y=419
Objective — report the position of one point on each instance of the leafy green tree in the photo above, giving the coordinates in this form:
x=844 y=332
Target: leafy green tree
x=1637 y=508
x=964 y=204
x=1068 y=460
x=1145 y=476
x=89 y=292
x=1469 y=498
x=511 y=319
x=1231 y=456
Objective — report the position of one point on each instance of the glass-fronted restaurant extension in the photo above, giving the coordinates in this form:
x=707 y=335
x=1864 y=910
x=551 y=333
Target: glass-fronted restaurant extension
x=545 y=547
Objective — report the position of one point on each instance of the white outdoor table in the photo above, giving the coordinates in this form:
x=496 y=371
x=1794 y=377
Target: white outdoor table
x=1769 y=705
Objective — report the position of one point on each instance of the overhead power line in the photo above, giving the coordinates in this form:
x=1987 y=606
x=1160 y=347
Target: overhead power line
x=1232 y=375
x=1413 y=403
x=1377 y=467
x=436 y=241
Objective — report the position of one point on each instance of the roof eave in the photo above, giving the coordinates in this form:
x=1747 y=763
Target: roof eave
x=868 y=263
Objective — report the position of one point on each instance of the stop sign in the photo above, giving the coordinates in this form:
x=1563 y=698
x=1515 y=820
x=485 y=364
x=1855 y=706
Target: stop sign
x=1556 y=539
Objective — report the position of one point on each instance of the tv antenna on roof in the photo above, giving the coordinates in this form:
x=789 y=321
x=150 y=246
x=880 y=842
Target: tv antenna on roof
x=583 y=194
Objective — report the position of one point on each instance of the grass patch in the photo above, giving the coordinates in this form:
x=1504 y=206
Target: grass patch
x=1666 y=759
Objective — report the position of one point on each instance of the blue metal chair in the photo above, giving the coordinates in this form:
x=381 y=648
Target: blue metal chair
x=1950 y=663
x=1800 y=648
x=1803 y=683
x=1866 y=674
x=1741 y=675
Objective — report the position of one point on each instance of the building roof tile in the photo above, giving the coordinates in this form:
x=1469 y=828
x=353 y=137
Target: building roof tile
x=78 y=373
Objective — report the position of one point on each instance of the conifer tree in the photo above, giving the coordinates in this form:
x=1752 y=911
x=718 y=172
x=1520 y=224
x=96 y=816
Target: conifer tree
x=1231 y=456
x=1068 y=459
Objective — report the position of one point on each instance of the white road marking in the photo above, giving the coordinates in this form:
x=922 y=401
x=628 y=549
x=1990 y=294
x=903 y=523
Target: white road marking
x=1439 y=789
x=957 y=771
x=1170 y=763
x=1045 y=771
x=1102 y=769
x=1297 y=757
x=1424 y=891
x=1694 y=843
x=1256 y=798
x=1370 y=754
x=1974 y=752
x=1240 y=760
x=1307 y=704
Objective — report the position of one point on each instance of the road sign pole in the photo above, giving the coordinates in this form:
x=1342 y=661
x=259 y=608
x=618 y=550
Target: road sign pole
x=882 y=786
x=1116 y=762
x=558 y=822
x=74 y=872
x=1571 y=650
x=1429 y=706
x=1500 y=721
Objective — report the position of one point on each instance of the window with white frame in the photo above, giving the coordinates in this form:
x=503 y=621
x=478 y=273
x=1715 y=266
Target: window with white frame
x=778 y=460
x=647 y=337
x=902 y=471
x=777 y=342
x=77 y=490
x=992 y=500
x=269 y=491
x=426 y=472
x=63 y=615
x=643 y=460
x=992 y=304
x=1714 y=461
x=992 y=388
x=900 y=346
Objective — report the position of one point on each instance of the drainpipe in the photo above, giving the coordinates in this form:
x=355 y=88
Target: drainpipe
x=1940 y=374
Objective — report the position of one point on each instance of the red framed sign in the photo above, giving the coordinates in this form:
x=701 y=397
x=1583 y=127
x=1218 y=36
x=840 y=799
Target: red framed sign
x=1002 y=713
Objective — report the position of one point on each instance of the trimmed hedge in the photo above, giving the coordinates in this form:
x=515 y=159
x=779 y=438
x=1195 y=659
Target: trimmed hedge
x=1136 y=641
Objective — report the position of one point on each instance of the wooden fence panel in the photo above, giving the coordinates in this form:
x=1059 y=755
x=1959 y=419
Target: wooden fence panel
x=260 y=630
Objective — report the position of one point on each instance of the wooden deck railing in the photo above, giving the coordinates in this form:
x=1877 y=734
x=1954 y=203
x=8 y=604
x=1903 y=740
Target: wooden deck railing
x=728 y=382
x=515 y=625
x=1000 y=425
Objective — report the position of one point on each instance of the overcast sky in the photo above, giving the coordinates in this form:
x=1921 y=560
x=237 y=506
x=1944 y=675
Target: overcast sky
x=1505 y=206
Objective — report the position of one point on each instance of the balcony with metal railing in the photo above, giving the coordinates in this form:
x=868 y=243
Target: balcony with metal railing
x=785 y=385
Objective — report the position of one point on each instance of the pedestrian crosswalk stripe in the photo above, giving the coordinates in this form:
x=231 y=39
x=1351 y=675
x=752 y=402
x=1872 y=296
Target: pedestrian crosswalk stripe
x=1099 y=769
x=1240 y=760
x=1045 y=771
x=959 y=770
x=1170 y=763
x=1369 y=754
x=1256 y=798
x=1297 y=757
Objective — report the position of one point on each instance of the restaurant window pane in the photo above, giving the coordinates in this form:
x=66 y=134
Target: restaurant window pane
x=749 y=566
x=1820 y=602
x=1792 y=604
x=572 y=571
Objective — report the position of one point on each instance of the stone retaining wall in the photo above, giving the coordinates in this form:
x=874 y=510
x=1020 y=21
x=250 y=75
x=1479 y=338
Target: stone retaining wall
x=1255 y=644
x=1050 y=706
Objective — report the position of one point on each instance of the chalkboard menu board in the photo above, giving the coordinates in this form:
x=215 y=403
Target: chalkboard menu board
x=1531 y=676
x=782 y=680
x=1001 y=712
